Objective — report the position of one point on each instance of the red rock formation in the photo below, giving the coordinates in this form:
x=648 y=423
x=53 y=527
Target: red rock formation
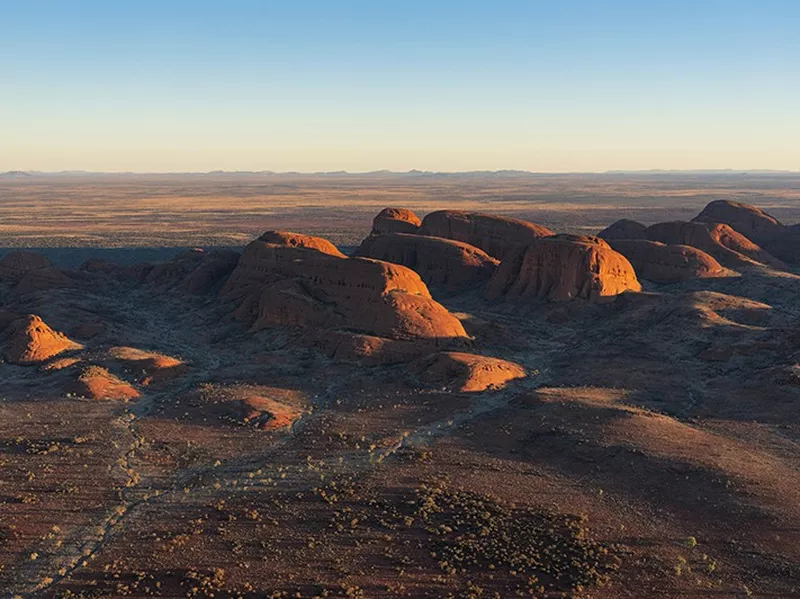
x=458 y=371
x=16 y=264
x=30 y=341
x=498 y=236
x=655 y=261
x=564 y=267
x=443 y=263
x=295 y=285
x=731 y=249
x=42 y=279
x=760 y=227
x=95 y=382
x=298 y=240
x=368 y=349
x=147 y=367
x=395 y=220
x=624 y=229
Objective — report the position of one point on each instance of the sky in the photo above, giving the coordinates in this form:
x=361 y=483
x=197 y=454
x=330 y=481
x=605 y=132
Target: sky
x=302 y=85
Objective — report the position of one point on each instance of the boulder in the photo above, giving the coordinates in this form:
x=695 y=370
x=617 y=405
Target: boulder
x=498 y=236
x=731 y=249
x=624 y=229
x=395 y=220
x=661 y=263
x=459 y=371
x=29 y=341
x=443 y=263
x=757 y=225
x=278 y=284
x=564 y=267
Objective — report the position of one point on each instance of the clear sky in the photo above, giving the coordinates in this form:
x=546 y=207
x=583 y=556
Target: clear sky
x=542 y=85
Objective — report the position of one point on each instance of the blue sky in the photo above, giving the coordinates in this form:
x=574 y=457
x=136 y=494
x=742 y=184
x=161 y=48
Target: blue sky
x=546 y=85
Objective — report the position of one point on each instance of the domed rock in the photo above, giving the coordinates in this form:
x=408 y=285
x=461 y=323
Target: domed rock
x=298 y=240
x=731 y=249
x=757 y=225
x=498 y=236
x=29 y=341
x=369 y=349
x=443 y=263
x=296 y=285
x=661 y=263
x=459 y=371
x=196 y=271
x=395 y=220
x=564 y=267
x=42 y=279
x=624 y=229
x=16 y=264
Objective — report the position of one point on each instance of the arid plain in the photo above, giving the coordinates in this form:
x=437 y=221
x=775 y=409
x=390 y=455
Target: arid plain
x=460 y=405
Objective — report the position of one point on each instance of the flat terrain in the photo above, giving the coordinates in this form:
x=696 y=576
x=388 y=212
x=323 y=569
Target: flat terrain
x=652 y=450
x=230 y=209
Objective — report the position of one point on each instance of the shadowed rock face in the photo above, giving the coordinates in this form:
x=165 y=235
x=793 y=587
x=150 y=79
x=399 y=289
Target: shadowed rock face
x=730 y=248
x=564 y=267
x=498 y=236
x=757 y=225
x=15 y=265
x=663 y=263
x=444 y=263
x=29 y=341
x=624 y=229
x=296 y=285
x=395 y=220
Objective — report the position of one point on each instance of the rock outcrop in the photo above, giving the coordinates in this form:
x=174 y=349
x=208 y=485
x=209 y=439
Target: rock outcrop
x=442 y=263
x=30 y=341
x=95 y=382
x=395 y=220
x=564 y=267
x=731 y=249
x=498 y=236
x=300 y=284
x=145 y=366
x=624 y=229
x=17 y=264
x=370 y=350
x=661 y=263
x=459 y=371
x=757 y=225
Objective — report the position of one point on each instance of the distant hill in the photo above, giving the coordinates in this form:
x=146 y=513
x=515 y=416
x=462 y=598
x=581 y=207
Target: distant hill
x=14 y=175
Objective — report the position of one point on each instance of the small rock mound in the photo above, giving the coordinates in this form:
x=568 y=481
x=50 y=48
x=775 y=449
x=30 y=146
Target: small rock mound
x=564 y=267
x=42 y=279
x=624 y=229
x=444 y=263
x=498 y=236
x=148 y=367
x=16 y=264
x=731 y=249
x=458 y=371
x=197 y=272
x=661 y=263
x=341 y=346
x=395 y=220
x=296 y=285
x=95 y=382
x=30 y=341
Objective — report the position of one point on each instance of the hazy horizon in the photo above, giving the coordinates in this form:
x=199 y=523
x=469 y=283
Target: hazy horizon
x=360 y=86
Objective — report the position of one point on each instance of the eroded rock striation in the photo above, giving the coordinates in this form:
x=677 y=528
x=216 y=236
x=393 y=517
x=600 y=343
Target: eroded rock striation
x=395 y=220
x=661 y=263
x=564 y=267
x=306 y=283
x=442 y=263
x=498 y=236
